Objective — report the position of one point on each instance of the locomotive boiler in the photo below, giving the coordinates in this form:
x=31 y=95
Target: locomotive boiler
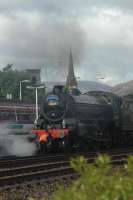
x=70 y=119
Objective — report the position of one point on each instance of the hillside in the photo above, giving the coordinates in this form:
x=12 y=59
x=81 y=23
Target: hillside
x=123 y=88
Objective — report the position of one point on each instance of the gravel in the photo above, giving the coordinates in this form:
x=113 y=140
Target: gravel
x=32 y=191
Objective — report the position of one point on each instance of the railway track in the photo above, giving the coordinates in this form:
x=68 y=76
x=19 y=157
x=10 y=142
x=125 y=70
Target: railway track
x=46 y=167
x=12 y=161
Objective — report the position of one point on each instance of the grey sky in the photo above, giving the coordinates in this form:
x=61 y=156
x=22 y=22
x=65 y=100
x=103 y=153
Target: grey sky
x=40 y=33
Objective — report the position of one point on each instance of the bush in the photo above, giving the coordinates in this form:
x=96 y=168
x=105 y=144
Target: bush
x=99 y=181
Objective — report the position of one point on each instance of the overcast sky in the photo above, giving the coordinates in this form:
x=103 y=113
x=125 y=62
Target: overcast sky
x=39 y=33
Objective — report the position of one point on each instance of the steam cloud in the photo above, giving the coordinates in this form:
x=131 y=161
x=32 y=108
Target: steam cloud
x=11 y=144
x=21 y=147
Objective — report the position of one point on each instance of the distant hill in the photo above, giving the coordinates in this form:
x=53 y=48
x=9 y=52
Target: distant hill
x=84 y=86
x=123 y=89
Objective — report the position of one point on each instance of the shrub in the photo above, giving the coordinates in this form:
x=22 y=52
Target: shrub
x=99 y=181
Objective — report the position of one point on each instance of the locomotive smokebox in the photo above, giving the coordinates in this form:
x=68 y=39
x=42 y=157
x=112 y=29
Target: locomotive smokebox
x=54 y=105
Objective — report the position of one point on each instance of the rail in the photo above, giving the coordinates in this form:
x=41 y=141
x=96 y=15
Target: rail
x=46 y=167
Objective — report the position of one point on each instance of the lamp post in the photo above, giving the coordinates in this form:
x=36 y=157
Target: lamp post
x=20 y=87
x=36 y=92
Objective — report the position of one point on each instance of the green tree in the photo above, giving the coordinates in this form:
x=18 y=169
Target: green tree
x=10 y=84
x=8 y=67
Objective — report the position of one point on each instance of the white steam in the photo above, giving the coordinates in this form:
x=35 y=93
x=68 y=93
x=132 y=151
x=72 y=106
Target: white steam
x=21 y=147
x=12 y=144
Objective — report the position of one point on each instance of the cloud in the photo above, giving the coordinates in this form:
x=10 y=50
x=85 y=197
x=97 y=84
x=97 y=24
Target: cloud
x=40 y=33
x=109 y=28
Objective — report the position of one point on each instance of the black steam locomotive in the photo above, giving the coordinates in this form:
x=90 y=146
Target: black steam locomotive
x=70 y=119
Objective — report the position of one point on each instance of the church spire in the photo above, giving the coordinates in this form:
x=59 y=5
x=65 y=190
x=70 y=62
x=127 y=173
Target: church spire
x=71 y=79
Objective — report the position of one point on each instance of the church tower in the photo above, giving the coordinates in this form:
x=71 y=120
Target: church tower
x=71 y=79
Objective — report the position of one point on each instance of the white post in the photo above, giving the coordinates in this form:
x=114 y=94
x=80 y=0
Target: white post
x=20 y=90
x=20 y=95
x=39 y=87
x=36 y=104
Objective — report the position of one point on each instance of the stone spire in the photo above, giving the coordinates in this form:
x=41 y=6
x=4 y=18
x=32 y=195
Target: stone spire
x=71 y=79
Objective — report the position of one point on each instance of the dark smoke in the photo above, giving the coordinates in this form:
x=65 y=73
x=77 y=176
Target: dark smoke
x=46 y=40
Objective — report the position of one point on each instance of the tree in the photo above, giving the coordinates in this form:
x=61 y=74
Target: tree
x=7 y=67
x=10 y=84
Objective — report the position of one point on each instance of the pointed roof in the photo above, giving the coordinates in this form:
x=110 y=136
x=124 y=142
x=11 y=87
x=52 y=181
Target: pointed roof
x=71 y=79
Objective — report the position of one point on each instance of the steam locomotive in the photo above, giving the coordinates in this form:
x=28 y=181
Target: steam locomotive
x=70 y=119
